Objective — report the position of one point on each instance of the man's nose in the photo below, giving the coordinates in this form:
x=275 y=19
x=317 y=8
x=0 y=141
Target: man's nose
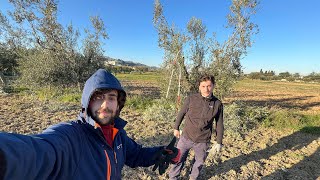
x=104 y=102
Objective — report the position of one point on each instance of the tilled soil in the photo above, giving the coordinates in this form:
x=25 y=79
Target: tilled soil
x=261 y=154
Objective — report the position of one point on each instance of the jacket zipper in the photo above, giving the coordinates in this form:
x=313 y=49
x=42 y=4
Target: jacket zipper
x=107 y=157
x=108 y=176
x=114 y=153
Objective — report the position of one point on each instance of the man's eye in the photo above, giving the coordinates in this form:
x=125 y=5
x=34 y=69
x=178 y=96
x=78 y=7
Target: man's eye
x=98 y=97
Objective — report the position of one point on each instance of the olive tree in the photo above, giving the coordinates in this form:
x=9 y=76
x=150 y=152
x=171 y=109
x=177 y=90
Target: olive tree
x=207 y=54
x=52 y=51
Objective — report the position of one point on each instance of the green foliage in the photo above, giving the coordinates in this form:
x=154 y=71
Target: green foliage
x=240 y=118
x=315 y=77
x=53 y=55
x=284 y=75
x=145 y=77
x=120 y=69
x=46 y=69
x=47 y=93
x=8 y=61
x=282 y=119
x=18 y=89
x=70 y=98
x=270 y=75
x=207 y=55
x=139 y=103
x=161 y=110
x=68 y=95
x=267 y=75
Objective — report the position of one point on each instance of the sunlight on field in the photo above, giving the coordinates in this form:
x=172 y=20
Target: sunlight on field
x=264 y=152
x=304 y=97
x=146 y=84
x=300 y=96
x=146 y=77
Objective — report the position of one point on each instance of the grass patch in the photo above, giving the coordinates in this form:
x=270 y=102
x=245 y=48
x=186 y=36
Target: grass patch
x=282 y=119
x=60 y=94
x=70 y=98
x=161 y=110
x=65 y=95
x=15 y=89
x=146 y=77
x=138 y=103
x=277 y=86
x=240 y=118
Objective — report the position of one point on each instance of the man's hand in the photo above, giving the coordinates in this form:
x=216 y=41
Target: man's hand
x=216 y=149
x=168 y=154
x=176 y=133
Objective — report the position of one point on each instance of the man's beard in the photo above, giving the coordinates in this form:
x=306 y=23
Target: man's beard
x=106 y=119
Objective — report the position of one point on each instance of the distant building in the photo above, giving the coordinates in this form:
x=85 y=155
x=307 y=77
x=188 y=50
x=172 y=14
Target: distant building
x=112 y=62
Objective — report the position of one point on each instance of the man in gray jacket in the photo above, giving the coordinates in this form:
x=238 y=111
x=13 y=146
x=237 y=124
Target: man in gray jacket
x=199 y=111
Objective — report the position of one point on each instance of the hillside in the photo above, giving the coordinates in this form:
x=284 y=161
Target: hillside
x=120 y=62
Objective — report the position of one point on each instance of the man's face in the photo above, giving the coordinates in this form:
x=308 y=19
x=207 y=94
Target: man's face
x=103 y=106
x=206 y=88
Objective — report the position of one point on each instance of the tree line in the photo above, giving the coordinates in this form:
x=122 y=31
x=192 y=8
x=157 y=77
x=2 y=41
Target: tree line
x=287 y=76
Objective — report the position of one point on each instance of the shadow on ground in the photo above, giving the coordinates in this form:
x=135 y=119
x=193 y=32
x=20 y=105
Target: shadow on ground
x=287 y=103
x=307 y=168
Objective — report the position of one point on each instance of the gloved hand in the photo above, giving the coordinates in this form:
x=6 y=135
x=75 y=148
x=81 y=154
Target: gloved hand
x=215 y=149
x=168 y=154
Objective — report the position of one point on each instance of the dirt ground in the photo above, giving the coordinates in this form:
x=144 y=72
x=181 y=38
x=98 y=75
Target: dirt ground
x=298 y=96
x=262 y=154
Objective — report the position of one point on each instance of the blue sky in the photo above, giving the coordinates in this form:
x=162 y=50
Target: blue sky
x=288 y=40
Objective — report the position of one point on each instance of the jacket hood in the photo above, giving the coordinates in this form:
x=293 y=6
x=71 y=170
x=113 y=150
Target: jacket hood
x=101 y=79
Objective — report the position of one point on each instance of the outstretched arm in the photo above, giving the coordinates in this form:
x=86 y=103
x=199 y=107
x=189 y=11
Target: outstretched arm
x=136 y=155
x=38 y=156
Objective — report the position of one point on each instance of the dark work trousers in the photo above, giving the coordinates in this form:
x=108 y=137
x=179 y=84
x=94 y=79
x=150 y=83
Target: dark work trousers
x=199 y=149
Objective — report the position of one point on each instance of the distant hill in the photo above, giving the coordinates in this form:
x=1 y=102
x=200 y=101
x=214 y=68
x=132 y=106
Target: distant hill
x=120 y=62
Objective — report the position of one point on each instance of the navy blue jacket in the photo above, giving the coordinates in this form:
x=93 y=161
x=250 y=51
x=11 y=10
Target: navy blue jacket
x=73 y=150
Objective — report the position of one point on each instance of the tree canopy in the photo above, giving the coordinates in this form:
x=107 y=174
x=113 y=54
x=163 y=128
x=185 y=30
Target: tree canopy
x=208 y=55
x=47 y=52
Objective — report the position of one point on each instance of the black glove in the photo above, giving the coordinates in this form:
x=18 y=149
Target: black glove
x=3 y=164
x=167 y=155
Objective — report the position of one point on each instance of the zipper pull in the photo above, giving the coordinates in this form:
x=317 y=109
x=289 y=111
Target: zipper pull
x=115 y=157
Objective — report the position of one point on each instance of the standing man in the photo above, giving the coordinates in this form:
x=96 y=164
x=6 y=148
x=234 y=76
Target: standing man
x=95 y=146
x=199 y=111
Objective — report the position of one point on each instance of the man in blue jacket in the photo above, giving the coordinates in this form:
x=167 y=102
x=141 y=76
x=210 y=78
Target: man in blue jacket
x=94 y=147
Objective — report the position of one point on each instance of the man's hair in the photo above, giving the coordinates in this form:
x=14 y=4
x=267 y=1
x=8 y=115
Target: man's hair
x=121 y=97
x=206 y=77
